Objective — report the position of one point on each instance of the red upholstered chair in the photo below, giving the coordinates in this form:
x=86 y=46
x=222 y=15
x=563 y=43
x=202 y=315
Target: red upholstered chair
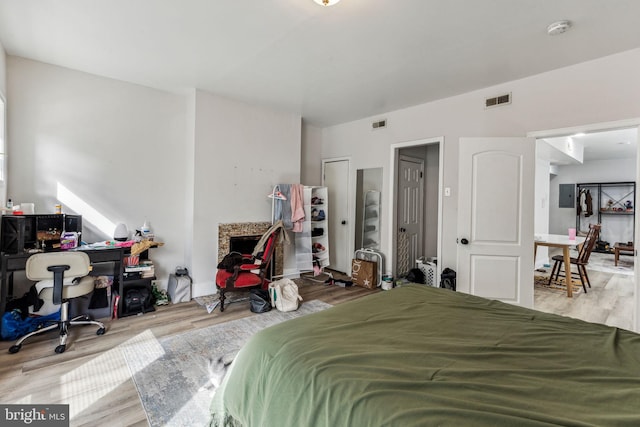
x=251 y=274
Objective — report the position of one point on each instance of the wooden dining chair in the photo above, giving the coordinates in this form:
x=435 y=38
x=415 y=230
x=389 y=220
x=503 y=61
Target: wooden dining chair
x=581 y=260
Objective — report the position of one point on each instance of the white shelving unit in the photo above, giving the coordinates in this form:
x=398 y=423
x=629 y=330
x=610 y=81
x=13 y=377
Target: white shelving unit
x=304 y=257
x=319 y=226
x=371 y=220
x=310 y=246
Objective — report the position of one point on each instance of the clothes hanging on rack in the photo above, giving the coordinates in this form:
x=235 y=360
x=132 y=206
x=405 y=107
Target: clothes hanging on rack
x=297 y=207
x=589 y=204
x=585 y=203
x=282 y=206
x=278 y=226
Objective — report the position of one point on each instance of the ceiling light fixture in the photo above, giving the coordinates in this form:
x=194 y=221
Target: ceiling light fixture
x=558 y=27
x=326 y=2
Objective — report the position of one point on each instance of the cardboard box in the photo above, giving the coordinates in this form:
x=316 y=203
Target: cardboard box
x=364 y=273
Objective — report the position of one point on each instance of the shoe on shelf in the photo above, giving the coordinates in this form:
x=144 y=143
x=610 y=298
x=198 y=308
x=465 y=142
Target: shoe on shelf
x=318 y=215
x=317 y=247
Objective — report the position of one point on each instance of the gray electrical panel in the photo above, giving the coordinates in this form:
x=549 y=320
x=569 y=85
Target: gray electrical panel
x=567 y=196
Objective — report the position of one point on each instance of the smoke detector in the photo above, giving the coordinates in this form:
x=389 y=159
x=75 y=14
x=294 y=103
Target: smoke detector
x=558 y=27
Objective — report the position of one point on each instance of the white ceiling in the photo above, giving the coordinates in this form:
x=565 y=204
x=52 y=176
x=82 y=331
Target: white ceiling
x=356 y=59
x=607 y=145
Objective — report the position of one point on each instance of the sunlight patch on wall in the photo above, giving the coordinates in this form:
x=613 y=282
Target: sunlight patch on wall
x=88 y=212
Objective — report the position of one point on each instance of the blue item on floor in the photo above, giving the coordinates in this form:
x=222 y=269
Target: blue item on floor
x=13 y=326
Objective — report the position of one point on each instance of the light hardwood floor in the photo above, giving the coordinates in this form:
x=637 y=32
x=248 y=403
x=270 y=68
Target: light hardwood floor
x=608 y=301
x=92 y=375
x=93 y=378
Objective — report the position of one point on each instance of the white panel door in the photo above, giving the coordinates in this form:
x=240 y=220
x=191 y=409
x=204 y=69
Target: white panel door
x=336 y=179
x=496 y=218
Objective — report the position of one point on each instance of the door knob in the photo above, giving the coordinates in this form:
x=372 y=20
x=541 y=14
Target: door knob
x=343 y=222
x=402 y=230
x=464 y=241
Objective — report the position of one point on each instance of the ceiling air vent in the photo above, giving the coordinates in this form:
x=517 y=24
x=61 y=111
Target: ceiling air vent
x=497 y=100
x=379 y=124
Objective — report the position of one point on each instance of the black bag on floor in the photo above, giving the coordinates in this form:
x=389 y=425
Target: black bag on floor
x=448 y=279
x=259 y=300
x=138 y=300
x=415 y=275
x=602 y=246
x=99 y=298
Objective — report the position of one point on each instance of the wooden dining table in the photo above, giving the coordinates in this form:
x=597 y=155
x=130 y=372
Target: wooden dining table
x=560 y=241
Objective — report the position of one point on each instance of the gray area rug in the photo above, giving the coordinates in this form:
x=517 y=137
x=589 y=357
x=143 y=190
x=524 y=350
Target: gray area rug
x=171 y=373
x=211 y=302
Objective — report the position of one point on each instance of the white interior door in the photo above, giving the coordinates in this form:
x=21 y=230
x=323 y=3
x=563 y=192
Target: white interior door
x=336 y=179
x=496 y=218
x=410 y=212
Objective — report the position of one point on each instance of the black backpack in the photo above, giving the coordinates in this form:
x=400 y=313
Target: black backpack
x=448 y=279
x=137 y=300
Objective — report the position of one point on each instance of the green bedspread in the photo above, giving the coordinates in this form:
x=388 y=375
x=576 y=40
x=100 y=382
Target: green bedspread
x=420 y=356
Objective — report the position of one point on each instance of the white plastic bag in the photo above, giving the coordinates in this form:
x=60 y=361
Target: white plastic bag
x=284 y=295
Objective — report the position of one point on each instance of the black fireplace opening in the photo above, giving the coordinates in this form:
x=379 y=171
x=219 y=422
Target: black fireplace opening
x=245 y=245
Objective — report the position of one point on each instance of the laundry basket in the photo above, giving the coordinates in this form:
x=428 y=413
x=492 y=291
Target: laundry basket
x=428 y=268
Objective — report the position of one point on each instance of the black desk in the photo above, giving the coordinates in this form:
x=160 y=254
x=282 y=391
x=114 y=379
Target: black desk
x=17 y=262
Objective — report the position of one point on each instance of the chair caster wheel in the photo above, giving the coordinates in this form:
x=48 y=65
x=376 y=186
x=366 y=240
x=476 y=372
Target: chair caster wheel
x=100 y=331
x=61 y=349
x=14 y=349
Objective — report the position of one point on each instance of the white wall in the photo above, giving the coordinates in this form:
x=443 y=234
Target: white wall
x=560 y=219
x=567 y=146
x=3 y=71
x=602 y=90
x=189 y=171
x=241 y=152
x=185 y=162
x=541 y=208
x=3 y=95
x=117 y=147
x=311 y=173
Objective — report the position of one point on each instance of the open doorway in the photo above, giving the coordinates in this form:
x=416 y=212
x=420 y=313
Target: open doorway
x=416 y=208
x=588 y=177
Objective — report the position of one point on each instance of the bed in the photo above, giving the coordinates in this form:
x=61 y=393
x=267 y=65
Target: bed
x=417 y=356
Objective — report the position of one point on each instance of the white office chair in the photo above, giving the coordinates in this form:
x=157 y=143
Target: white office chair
x=61 y=265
